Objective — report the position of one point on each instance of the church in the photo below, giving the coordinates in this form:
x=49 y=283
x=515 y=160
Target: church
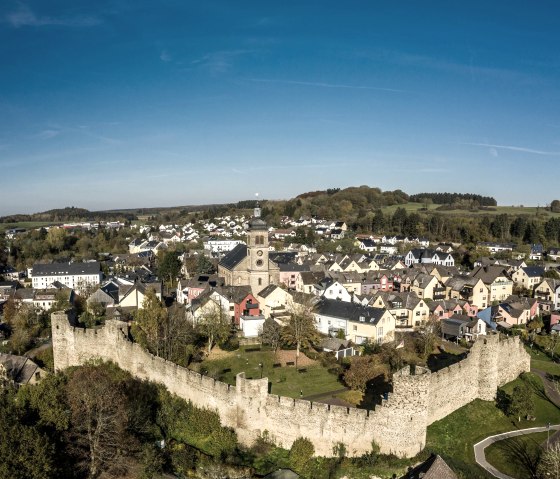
x=249 y=265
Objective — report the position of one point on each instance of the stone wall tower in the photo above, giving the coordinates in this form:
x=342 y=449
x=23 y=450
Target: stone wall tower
x=257 y=251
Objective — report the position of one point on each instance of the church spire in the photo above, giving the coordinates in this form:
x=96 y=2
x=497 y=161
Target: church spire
x=257 y=211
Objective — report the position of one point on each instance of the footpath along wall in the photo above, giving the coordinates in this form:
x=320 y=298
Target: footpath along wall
x=398 y=426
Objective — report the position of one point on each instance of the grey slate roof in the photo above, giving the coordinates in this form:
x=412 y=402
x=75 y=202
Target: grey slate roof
x=350 y=311
x=534 y=271
x=66 y=269
x=19 y=368
x=234 y=257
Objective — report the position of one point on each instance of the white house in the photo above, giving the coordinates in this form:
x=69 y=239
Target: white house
x=77 y=276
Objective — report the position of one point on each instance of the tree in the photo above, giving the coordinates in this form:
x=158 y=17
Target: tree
x=378 y=222
x=428 y=337
x=299 y=329
x=98 y=418
x=551 y=273
x=362 y=370
x=146 y=328
x=26 y=452
x=271 y=333
x=25 y=328
x=177 y=336
x=56 y=238
x=214 y=324
x=549 y=464
x=10 y=310
x=522 y=403
x=301 y=452
x=555 y=206
x=169 y=266
x=204 y=265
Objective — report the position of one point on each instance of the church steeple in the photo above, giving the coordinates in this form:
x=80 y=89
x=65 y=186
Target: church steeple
x=257 y=251
x=257 y=210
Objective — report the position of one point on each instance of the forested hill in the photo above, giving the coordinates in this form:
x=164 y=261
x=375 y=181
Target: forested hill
x=453 y=199
x=69 y=214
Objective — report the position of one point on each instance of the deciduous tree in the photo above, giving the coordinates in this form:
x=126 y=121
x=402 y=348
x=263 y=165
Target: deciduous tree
x=98 y=418
x=362 y=370
x=522 y=403
x=214 y=324
x=146 y=328
x=271 y=333
x=299 y=329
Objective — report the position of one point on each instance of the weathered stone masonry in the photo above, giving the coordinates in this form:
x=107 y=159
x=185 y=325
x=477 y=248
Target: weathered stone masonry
x=398 y=426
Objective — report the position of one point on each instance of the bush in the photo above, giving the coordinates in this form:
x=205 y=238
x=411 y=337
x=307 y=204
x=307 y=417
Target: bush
x=301 y=452
x=231 y=344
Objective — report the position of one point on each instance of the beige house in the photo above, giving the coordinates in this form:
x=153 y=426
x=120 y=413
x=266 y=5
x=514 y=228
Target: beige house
x=306 y=281
x=496 y=280
x=528 y=278
x=407 y=308
x=548 y=290
x=468 y=289
x=273 y=301
x=133 y=296
x=427 y=287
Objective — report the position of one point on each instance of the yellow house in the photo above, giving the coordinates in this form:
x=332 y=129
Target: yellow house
x=496 y=280
x=468 y=289
x=407 y=308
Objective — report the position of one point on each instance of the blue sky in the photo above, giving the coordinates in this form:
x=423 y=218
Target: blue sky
x=115 y=104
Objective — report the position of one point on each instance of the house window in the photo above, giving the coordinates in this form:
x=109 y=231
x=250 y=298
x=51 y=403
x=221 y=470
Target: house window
x=355 y=328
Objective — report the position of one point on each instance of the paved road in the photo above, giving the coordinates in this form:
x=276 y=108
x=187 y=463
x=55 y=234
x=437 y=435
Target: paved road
x=479 y=447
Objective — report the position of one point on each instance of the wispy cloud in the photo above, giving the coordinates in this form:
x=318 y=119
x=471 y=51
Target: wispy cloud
x=25 y=17
x=244 y=170
x=327 y=85
x=165 y=56
x=47 y=134
x=519 y=149
x=220 y=61
x=467 y=69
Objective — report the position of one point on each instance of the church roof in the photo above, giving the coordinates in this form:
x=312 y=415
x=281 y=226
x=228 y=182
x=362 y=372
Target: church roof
x=234 y=257
x=257 y=224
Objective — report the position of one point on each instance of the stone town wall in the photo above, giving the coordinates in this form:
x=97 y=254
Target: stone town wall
x=398 y=426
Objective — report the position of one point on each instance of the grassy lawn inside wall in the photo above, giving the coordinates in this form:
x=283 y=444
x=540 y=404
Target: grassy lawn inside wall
x=517 y=456
x=284 y=381
x=454 y=436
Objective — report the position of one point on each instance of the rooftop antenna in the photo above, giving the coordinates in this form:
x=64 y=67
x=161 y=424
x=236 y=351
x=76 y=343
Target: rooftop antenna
x=257 y=212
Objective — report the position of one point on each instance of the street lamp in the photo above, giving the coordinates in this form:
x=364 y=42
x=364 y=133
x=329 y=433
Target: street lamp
x=261 y=365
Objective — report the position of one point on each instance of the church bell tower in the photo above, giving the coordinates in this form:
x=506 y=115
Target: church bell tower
x=257 y=250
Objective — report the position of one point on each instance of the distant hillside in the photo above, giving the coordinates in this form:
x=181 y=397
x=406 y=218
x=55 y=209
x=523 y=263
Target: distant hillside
x=452 y=199
x=69 y=214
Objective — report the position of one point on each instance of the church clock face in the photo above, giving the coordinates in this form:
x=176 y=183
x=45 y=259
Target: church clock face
x=259 y=262
x=259 y=253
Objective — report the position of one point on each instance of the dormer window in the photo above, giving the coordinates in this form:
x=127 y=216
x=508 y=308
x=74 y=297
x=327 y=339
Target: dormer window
x=362 y=319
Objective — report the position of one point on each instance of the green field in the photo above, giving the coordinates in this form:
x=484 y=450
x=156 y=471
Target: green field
x=26 y=224
x=284 y=381
x=499 y=210
x=515 y=456
x=454 y=436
